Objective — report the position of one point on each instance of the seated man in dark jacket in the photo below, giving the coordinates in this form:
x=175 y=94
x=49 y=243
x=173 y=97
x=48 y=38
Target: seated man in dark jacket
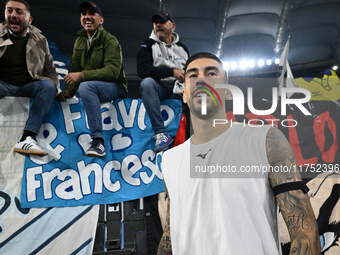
x=160 y=63
x=97 y=69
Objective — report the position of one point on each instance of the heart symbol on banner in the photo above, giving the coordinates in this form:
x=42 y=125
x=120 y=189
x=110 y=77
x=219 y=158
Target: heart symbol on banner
x=120 y=142
x=84 y=140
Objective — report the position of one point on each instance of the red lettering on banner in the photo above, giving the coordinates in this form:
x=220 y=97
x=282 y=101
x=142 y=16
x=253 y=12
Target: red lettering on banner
x=320 y=139
x=269 y=118
x=294 y=142
x=231 y=116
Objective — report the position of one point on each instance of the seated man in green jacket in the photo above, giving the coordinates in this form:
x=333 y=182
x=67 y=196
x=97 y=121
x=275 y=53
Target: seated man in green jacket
x=96 y=70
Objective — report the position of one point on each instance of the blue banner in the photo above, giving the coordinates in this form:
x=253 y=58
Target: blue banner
x=130 y=169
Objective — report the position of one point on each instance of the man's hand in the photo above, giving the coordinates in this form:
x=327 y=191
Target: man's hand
x=179 y=75
x=62 y=96
x=72 y=78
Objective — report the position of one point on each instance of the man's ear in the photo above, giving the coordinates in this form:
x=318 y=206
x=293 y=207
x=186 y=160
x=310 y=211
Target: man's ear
x=30 y=19
x=101 y=20
x=173 y=26
x=185 y=99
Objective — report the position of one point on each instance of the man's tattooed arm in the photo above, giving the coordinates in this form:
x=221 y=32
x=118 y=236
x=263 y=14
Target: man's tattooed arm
x=294 y=205
x=164 y=247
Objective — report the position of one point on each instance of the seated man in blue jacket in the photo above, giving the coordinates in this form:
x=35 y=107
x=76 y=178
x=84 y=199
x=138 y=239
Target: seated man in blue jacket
x=160 y=63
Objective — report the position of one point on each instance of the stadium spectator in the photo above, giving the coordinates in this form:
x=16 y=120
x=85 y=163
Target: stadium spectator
x=96 y=71
x=26 y=70
x=160 y=63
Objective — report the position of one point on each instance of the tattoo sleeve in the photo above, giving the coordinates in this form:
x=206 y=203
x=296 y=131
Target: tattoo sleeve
x=164 y=247
x=294 y=205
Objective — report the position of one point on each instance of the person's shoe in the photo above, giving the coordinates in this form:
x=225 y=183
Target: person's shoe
x=163 y=140
x=29 y=146
x=97 y=149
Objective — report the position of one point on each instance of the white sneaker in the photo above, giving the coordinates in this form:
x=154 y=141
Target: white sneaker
x=29 y=146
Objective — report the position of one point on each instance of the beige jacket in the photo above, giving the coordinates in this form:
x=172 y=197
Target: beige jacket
x=38 y=57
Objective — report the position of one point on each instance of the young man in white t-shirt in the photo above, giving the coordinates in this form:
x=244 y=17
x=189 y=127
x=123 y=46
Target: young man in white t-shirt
x=225 y=215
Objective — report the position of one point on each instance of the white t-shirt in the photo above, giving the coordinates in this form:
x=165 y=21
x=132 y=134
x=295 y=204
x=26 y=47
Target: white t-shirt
x=222 y=216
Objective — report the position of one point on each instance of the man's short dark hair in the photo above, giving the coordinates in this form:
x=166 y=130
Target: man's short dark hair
x=205 y=55
x=202 y=55
x=21 y=1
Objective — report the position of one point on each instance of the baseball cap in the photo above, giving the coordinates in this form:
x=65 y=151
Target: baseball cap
x=163 y=14
x=91 y=6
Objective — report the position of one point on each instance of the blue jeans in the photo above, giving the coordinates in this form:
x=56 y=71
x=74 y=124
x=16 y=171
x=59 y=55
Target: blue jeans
x=43 y=92
x=152 y=94
x=93 y=93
